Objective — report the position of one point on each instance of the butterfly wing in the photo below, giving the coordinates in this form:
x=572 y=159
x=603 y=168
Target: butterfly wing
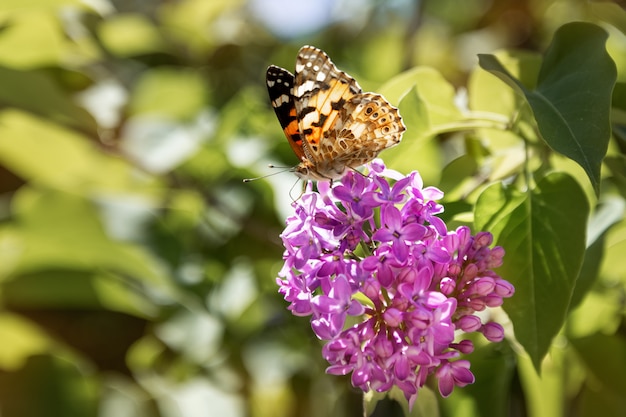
x=320 y=93
x=329 y=122
x=371 y=126
x=280 y=84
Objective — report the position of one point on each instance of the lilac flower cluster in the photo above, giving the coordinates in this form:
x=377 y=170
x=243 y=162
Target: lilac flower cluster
x=372 y=247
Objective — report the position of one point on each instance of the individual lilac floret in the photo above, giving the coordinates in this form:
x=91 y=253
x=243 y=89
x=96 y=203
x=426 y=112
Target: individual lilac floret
x=372 y=247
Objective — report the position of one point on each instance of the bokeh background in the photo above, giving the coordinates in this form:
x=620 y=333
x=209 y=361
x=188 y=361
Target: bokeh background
x=137 y=271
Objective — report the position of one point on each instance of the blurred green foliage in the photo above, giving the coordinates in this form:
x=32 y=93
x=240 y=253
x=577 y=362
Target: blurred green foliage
x=137 y=271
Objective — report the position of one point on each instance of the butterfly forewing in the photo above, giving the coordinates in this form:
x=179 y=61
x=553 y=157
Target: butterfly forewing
x=280 y=84
x=320 y=93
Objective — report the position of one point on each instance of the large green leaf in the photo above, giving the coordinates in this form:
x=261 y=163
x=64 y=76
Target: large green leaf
x=543 y=233
x=573 y=95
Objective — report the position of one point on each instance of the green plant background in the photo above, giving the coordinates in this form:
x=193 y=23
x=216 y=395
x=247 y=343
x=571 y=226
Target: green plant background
x=137 y=270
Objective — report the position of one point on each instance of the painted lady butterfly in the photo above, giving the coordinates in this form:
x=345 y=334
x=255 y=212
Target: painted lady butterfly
x=330 y=123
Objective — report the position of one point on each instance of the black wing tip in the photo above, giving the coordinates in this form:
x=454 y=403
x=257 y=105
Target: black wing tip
x=275 y=71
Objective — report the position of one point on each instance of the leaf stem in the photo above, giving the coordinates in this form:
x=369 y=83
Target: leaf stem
x=475 y=120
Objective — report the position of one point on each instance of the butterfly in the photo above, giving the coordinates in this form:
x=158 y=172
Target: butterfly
x=330 y=123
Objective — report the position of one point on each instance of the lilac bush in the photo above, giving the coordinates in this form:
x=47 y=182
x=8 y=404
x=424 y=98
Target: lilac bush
x=372 y=247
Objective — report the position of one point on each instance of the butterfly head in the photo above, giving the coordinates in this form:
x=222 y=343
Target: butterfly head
x=307 y=170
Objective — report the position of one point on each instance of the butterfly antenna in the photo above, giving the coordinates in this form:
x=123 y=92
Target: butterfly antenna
x=284 y=169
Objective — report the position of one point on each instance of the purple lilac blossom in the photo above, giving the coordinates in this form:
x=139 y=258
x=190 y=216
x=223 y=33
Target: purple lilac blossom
x=372 y=247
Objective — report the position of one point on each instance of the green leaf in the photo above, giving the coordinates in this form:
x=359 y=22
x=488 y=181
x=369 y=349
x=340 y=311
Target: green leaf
x=592 y=403
x=415 y=152
x=486 y=93
x=21 y=340
x=33 y=37
x=605 y=359
x=427 y=108
x=73 y=289
x=573 y=95
x=493 y=365
x=178 y=94
x=34 y=91
x=47 y=154
x=391 y=402
x=62 y=231
x=458 y=177
x=426 y=101
x=60 y=386
x=396 y=88
x=415 y=117
x=609 y=12
x=609 y=212
x=543 y=389
x=438 y=96
x=543 y=234
x=617 y=167
x=130 y=34
x=490 y=63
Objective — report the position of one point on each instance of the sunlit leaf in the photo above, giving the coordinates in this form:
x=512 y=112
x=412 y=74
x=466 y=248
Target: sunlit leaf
x=572 y=99
x=415 y=117
x=187 y=22
x=457 y=176
x=609 y=212
x=21 y=339
x=610 y=12
x=542 y=388
x=170 y=92
x=543 y=233
x=25 y=48
x=596 y=312
x=48 y=154
x=417 y=154
x=487 y=94
x=130 y=34
x=426 y=101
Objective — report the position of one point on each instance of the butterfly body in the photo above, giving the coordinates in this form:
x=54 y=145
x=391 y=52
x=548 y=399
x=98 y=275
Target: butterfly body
x=330 y=123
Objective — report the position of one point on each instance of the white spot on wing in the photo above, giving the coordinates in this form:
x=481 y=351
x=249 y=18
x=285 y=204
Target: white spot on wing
x=304 y=87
